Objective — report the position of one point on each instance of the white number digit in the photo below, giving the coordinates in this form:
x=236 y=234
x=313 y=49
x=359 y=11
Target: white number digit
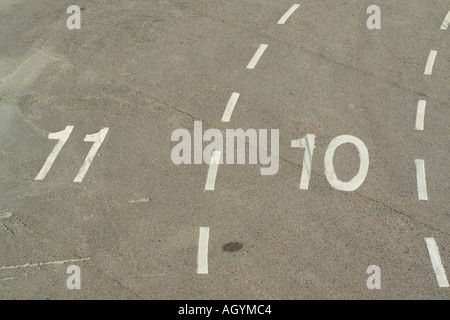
x=97 y=138
x=308 y=144
x=357 y=181
x=62 y=136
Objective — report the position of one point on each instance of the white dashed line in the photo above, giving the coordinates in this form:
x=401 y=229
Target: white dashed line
x=257 y=56
x=446 y=22
x=438 y=268
x=212 y=173
x=430 y=62
x=421 y=181
x=202 y=258
x=288 y=13
x=420 y=117
x=230 y=107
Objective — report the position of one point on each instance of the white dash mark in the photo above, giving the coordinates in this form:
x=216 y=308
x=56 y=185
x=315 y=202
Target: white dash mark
x=420 y=117
x=430 y=62
x=202 y=258
x=288 y=14
x=139 y=201
x=38 y=264
x=257 y=56
x=438 y=268
x=421 y=181
x=230 y=107
x=212 y=173
x=446 y=22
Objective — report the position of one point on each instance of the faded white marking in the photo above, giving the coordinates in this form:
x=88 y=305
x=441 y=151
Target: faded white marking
x=421 y=180
x=288 y=14
x=446 y=22
x=39 y=264
x=139 y=201
x=202 y=258
x=257 y=56
x=212 y=173
x=430 y=62
x=230 y=107
x=6 y=279
x=436 y=262
x=420 y=117
x=97 y=138
x=5 y=215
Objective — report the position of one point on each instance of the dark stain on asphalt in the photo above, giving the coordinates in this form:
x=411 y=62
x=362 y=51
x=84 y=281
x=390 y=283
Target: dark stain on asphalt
x=232 y=246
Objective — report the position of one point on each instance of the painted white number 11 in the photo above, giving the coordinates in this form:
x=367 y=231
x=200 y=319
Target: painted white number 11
x=63 y=136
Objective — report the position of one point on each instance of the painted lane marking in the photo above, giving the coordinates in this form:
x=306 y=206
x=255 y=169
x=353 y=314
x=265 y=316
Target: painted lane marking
x=420 y=117
x=446 y=22
x=38 y=264
x=202 y=258
x=212 y=173
x=288 y=14
x=438 y=268
x=139 y=201
x=230 y=107
x=421 y=180
x=430 y=62
x=257 y=56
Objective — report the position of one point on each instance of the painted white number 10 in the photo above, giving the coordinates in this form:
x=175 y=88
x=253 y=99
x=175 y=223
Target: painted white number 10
x=62 y=138
x=308 y=144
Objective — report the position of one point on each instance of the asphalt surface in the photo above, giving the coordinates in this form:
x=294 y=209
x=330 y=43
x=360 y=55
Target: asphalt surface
x=146 y=68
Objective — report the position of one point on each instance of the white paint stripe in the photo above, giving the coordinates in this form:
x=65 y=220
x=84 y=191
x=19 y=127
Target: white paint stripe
x=257 y=56
x=139 y=201
x=420 y=117
x=38 y=264
x=438 y=268
x=430 y=62
x=446 y=22
x=421 y=180
x=212 y=173
x=202 y=258
x=288 y=13
x=230 y=107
